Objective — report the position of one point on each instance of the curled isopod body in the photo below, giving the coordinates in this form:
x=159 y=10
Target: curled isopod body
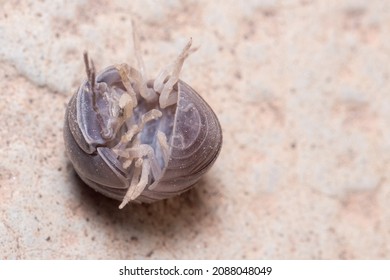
x=134 y=139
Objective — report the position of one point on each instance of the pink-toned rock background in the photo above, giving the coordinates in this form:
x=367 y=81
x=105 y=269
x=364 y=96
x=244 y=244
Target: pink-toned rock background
x=302 y=91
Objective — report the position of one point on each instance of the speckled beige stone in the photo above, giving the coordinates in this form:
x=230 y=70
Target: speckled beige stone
x=302 y=92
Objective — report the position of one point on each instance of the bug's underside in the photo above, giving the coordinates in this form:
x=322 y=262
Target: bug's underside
x=134 y=139
x=135 y=120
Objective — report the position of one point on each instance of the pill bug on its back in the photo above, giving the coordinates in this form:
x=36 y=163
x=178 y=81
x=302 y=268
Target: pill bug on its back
x=134 y=139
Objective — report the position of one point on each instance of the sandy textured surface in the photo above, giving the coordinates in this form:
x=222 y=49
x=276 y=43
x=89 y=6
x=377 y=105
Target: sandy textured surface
x=302 y=91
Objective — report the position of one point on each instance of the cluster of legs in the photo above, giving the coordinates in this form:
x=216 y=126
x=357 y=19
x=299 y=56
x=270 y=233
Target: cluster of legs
x=134 y=155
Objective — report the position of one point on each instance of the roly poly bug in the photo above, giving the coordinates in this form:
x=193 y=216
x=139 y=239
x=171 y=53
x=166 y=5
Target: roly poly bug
x=134 y=139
